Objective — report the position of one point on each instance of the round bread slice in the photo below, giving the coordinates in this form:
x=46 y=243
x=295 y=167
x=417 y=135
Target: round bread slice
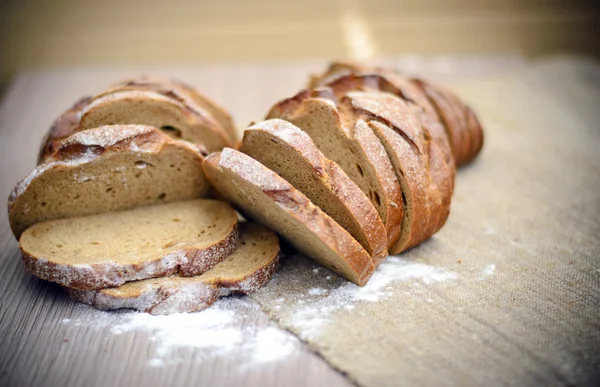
x=354 y=147
x=109 y=249
x=188 y=93
x=110 y=168
x=269 y=199
x=157 y=110
x=291 y=153
x=248 y=268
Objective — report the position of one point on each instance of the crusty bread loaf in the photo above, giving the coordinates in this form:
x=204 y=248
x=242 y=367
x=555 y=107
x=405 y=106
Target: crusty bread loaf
x=291 y=153
x=108 y=169
x=109 y=249
x=63 y=127
x=264 y=196
x=459 y=121
x=186 y=92
x=248 y=268
x=353 y=146
x=145 y=107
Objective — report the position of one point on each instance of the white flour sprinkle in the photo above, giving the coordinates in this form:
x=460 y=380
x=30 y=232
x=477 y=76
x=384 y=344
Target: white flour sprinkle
x=213 y=333
x=314 y=314
x=489 y=270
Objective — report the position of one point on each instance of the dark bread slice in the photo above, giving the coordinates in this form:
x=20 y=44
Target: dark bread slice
x=249 y=267
x=186 y=92
x=292 y=154
x=105 y=169
x=154 y=109
x=112 y=248
x=353 y=146
x=269 y=199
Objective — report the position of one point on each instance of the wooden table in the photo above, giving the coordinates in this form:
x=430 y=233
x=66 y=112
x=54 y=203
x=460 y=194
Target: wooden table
x=48 y=340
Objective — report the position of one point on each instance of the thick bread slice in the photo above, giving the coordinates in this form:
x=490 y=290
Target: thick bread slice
x=288 y=151
x=354 y=147
x=188 y=93
x=109 y=249
x=248 y=268
x=157 y=110
x=63 y=127
x=105 y=169
x=269 y=199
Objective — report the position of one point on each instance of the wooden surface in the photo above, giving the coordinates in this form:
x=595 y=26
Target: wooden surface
x=36 y=33
x=48 y=340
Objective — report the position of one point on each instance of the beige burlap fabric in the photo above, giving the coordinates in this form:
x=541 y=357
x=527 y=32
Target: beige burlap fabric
x=509 y=291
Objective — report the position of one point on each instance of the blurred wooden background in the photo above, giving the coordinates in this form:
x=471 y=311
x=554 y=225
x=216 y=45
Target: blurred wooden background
x=53 y=33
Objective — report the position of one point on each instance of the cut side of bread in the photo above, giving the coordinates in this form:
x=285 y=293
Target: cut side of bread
x=354 y=147
x=291 y=153
x=109 y=249
x=248 y=268
x=144 y=107
x=266 y=197
x=106 y=169
x=188 y=93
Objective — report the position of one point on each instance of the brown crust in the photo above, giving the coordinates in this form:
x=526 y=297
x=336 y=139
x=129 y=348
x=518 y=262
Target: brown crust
x=63 y=127
x=86 y=146
x=332 y=177
x=199 y=123
x=363 y=140
x=187 y=262
x=295 y=204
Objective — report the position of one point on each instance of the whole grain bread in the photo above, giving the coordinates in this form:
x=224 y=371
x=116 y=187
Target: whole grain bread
x=353 y=146
x=163 y=111
x=461 y=125
x=292 y=154
x=187 y=93
x=248 y=268
x=267 y=198
x=109 y=249
x=110 y=168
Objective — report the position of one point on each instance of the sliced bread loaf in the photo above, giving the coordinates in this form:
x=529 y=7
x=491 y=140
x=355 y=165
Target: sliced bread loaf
x=105 y=169
x=248 y=268
x=354 y=147
x=145 y=107
x=109 y=249
x=188 y=93
x=292 y=154
x=266 y=197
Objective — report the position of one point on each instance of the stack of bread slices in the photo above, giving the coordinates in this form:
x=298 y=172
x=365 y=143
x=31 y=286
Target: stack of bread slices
x=117 y=209
x=358 y=166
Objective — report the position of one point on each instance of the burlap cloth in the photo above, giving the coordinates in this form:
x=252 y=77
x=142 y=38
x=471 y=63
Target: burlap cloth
x=509 y=291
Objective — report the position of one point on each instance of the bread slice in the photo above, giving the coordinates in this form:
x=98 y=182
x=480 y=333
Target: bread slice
x=63 y=127
x=105 y=169
x=264 y=196
x=248 y=268
x=354 y=147
x=288 y=151
x=184 y=91
x=109 y=249
x=157 y=110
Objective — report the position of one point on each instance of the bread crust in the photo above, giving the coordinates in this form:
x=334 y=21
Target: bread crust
x=330 y=176
x=286 y=198
x=174 y=295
